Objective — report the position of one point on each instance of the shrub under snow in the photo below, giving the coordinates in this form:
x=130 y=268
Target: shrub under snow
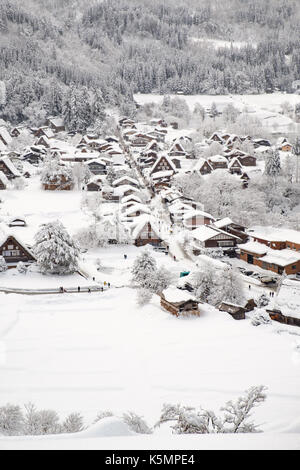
x=145 y=274
x=235 y=419
x=3 y=265
x=185 y=420
x=136 y=423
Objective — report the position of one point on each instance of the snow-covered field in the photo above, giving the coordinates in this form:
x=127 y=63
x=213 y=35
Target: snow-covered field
x=265 y=107
x=99 y=351
x=219 y=43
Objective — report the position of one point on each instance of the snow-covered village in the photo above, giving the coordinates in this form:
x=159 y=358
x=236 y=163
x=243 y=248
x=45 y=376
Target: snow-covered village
x=149 y=256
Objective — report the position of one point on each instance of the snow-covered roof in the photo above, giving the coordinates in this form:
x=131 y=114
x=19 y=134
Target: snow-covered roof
x=125 y=178
x=99 y=161
x=130 y=197
x=5 y=234
x=206 y=232
x=223 y=222
x=281 y=257
x=3 y=179
x=44 y=139
x=10 y=166
x=169 y=161
x=5 y=135
x=57 y=122
x=288 y=298
x=235 y=161
x=136 y=208
x=254 y=247
x=199 y=164
x=140 y=223
x=195 y=213
x=162 y=174
x=275 y=234
x=120 y=190
x=218 y=159
x=216 y=134
x=48 y=132
x=172 y=294
x=174 y=144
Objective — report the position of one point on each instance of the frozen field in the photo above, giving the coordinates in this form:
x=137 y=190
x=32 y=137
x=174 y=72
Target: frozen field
x=265 y=107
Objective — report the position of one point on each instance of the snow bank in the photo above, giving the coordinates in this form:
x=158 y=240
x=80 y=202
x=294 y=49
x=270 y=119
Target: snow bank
x=106 y=427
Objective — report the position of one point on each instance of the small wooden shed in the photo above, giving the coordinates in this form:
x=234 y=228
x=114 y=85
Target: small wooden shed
x=179 y=302
x=236 y=311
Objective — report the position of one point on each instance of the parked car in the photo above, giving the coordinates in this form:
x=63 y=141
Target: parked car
x=161 y=249
x=248 y=273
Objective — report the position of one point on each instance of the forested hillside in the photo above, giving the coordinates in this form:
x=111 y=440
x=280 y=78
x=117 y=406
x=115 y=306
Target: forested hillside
x=72 y=57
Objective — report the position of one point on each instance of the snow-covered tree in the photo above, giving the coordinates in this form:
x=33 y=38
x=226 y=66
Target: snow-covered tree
x=11 y=420
x=188 y=420
x=102 y=415
x=21 y=267
x=136 y=423
x=54 y=173
x=2 y=94
x=260 y=317
x=204 y=282
x=73 y=423
x=213 y=110
x=3 y=265
x=111 y=175
x=32 y=420
x=39 y=422
x=162 y=279
x=273 y=166
x=144 y=270
x=81 y=174
x=49 y=422
x=199 y=111
x=237 y=413
x=87 y=237
x=230 y=113
x=143 y=296
x=263 y=300
x=228 y=288
x=55 y=251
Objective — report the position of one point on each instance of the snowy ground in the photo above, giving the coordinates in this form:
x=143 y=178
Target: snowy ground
x=218 y=43
x=100 y=351
x=265 y=107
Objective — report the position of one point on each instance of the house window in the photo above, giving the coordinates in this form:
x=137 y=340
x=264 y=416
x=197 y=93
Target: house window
x=10 y=247
x=9 y=253
x=227 y=243
x=294 y=267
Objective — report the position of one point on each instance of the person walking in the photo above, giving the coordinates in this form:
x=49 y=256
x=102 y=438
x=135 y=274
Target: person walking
x=78 y=289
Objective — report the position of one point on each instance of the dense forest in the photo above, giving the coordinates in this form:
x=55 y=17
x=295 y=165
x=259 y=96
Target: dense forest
x=74 y=57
